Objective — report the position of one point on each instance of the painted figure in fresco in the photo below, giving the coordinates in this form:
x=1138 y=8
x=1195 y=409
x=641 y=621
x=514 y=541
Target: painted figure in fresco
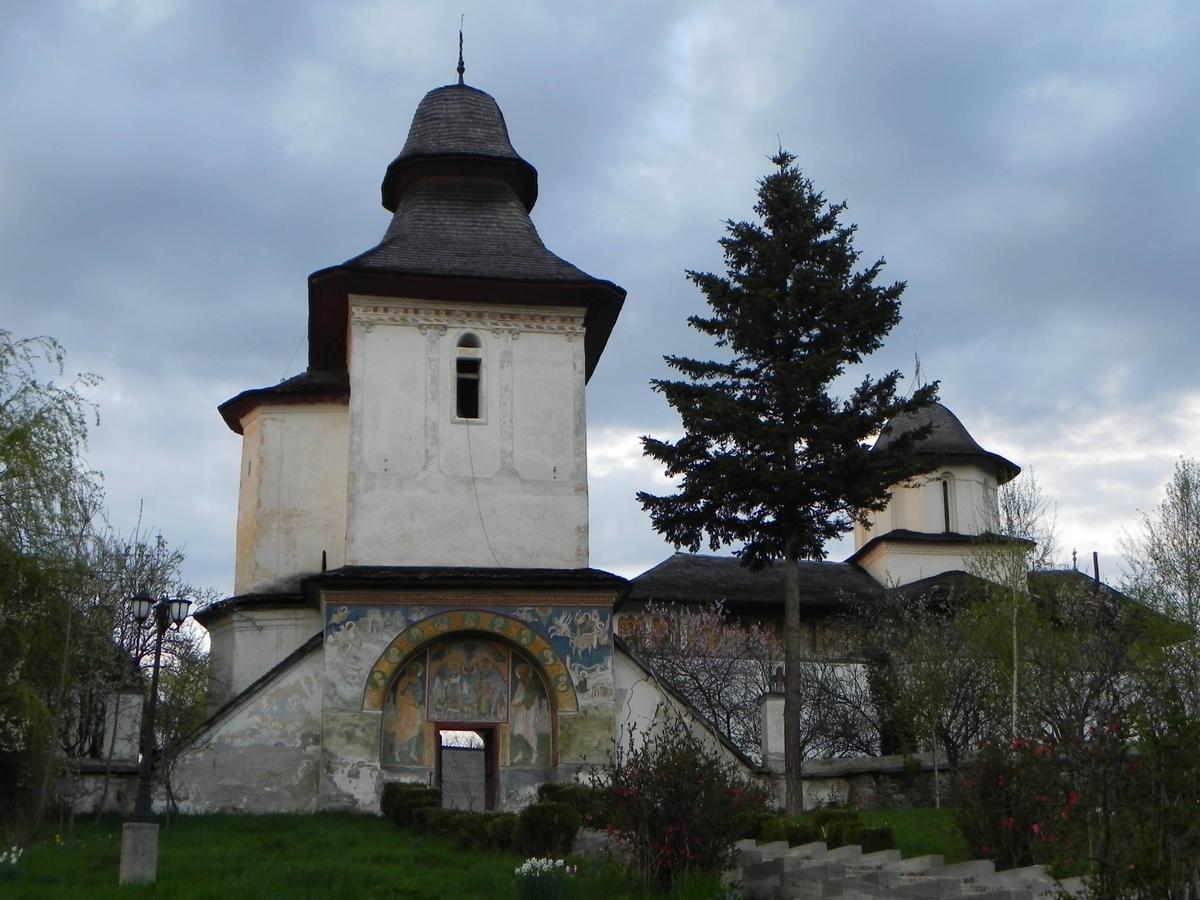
x=404 y=719
x=529 y=720
x=585 y=630
x=468 y=683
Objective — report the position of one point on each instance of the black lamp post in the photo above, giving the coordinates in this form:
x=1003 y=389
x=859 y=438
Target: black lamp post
x=139 y=841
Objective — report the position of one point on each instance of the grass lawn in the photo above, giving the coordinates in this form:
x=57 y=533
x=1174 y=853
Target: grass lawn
x=920 y=831
x=295 y=857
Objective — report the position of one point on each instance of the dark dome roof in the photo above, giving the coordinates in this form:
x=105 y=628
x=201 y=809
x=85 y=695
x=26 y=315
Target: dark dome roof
x=948 y=441
x=459 y=130
x=465 y=227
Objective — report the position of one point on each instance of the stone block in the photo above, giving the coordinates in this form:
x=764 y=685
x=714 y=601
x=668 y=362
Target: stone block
x=139 y=853
x=917 y=865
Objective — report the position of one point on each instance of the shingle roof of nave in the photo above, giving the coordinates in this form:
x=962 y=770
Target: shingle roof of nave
x=690 y=577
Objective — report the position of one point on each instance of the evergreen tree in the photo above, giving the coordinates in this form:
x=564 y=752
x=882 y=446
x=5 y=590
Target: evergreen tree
x=770 y=459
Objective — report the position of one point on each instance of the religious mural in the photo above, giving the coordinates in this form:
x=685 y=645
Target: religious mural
x=529 y=725
x=468 y=682
x=542 y=674
x=404 y=719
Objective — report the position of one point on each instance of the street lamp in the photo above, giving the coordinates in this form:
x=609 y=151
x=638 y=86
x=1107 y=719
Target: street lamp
x=139 y=837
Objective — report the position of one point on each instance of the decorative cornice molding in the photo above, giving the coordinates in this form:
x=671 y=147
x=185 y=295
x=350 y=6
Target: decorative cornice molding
x=427 y=314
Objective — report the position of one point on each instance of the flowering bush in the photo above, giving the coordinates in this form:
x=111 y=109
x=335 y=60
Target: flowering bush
x=543 y=879
x=1018 y=804
x=10 y=861
x=677 y=805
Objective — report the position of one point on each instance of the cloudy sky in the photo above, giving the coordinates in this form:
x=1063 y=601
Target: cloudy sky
x=172 y=170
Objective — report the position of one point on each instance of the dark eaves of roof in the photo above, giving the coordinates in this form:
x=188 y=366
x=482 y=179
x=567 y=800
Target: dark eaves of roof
x=907 y=536
x=697 y=578
x=209 y=613
x=948 y=440
x=426 y=577
x=312 y=386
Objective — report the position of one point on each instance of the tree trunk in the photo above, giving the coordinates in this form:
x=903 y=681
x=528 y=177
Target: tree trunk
x=792 y=694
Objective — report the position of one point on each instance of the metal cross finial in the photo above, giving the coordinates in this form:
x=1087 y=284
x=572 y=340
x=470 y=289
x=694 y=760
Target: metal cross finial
x=461 y=67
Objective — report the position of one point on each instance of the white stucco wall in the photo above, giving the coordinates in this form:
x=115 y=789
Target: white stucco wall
x=292 y=502
x=641 y=701
x=917 y=505
x=428 y=488
x=894 y=563
x=248 y=642
x=263 y=756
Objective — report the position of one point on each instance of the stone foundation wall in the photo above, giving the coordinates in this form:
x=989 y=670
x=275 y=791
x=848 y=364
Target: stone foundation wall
x=874 y=782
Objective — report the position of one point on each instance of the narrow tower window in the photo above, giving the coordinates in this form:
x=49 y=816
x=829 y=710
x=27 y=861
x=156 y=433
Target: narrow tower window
x=468 y=371
x=946 y=504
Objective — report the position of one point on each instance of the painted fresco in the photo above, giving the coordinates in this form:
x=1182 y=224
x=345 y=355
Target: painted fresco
x=468 y=682
x=404 y=718
x=529 y=719
x=532 y=633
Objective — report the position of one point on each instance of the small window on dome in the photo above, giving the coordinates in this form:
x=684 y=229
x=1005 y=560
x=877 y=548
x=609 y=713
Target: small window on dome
x=947 y=485
x=468 y=377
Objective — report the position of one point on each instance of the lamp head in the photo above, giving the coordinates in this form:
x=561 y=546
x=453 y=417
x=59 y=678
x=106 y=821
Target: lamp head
x=179 y=610
x=141 y=603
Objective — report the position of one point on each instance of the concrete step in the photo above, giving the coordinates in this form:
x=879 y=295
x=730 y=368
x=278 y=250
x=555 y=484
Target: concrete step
x=810 y=871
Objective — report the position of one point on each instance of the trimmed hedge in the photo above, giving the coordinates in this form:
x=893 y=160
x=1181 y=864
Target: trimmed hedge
x=547 y=829
x=836 y=827
x=400 y=800
x=541 y=829
x=586 y=800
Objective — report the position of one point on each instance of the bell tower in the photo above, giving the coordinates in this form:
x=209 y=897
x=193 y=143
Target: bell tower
x=932 y=523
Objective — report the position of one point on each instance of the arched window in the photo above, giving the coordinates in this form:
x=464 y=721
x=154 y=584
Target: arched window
x=947 y=488
x=468 y=377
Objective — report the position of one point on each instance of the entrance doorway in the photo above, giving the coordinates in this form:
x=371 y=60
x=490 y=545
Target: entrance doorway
x=466 y=767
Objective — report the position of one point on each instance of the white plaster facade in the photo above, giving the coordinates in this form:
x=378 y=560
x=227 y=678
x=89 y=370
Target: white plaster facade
x=245 y=644
x=958 y=499
x=261 y=755
x=292 y=499
x=642 y=701
x=429 y=488
x=919 y=505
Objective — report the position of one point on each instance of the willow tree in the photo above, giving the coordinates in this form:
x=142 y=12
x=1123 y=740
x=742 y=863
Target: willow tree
x=771 y=460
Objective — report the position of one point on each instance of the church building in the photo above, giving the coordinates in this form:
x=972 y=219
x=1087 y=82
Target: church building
x=412 y=533
x=412 y=536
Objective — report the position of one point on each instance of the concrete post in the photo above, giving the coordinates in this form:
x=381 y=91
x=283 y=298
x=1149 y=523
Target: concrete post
x=139 y=853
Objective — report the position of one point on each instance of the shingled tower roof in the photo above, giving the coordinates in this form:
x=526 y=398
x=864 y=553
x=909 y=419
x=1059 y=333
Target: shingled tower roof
x=453 y=124
x=948 y=440
x=460 y=198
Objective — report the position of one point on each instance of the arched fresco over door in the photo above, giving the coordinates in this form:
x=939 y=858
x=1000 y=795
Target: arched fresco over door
x=467 y=680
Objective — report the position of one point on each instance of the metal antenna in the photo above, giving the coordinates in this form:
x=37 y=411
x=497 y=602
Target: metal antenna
x=461 y=67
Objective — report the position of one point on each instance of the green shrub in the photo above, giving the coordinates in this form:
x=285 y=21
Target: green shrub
x=500 y=831
x=827 y=815
x=798 y=833
x=781 y=828
x=471 y=830
x=841 y=832
x=774 y=829
x=399 y=800
x=546 y=829
x=586 y=800
x=873 y=838
x=419 y=817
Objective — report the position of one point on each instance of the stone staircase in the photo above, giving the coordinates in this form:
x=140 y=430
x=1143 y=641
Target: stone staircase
x=775 y=870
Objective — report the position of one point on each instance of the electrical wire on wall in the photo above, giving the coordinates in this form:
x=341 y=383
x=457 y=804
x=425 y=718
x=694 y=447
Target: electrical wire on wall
x=478 y=506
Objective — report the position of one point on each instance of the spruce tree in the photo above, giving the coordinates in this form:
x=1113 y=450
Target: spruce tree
x=770 y=459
